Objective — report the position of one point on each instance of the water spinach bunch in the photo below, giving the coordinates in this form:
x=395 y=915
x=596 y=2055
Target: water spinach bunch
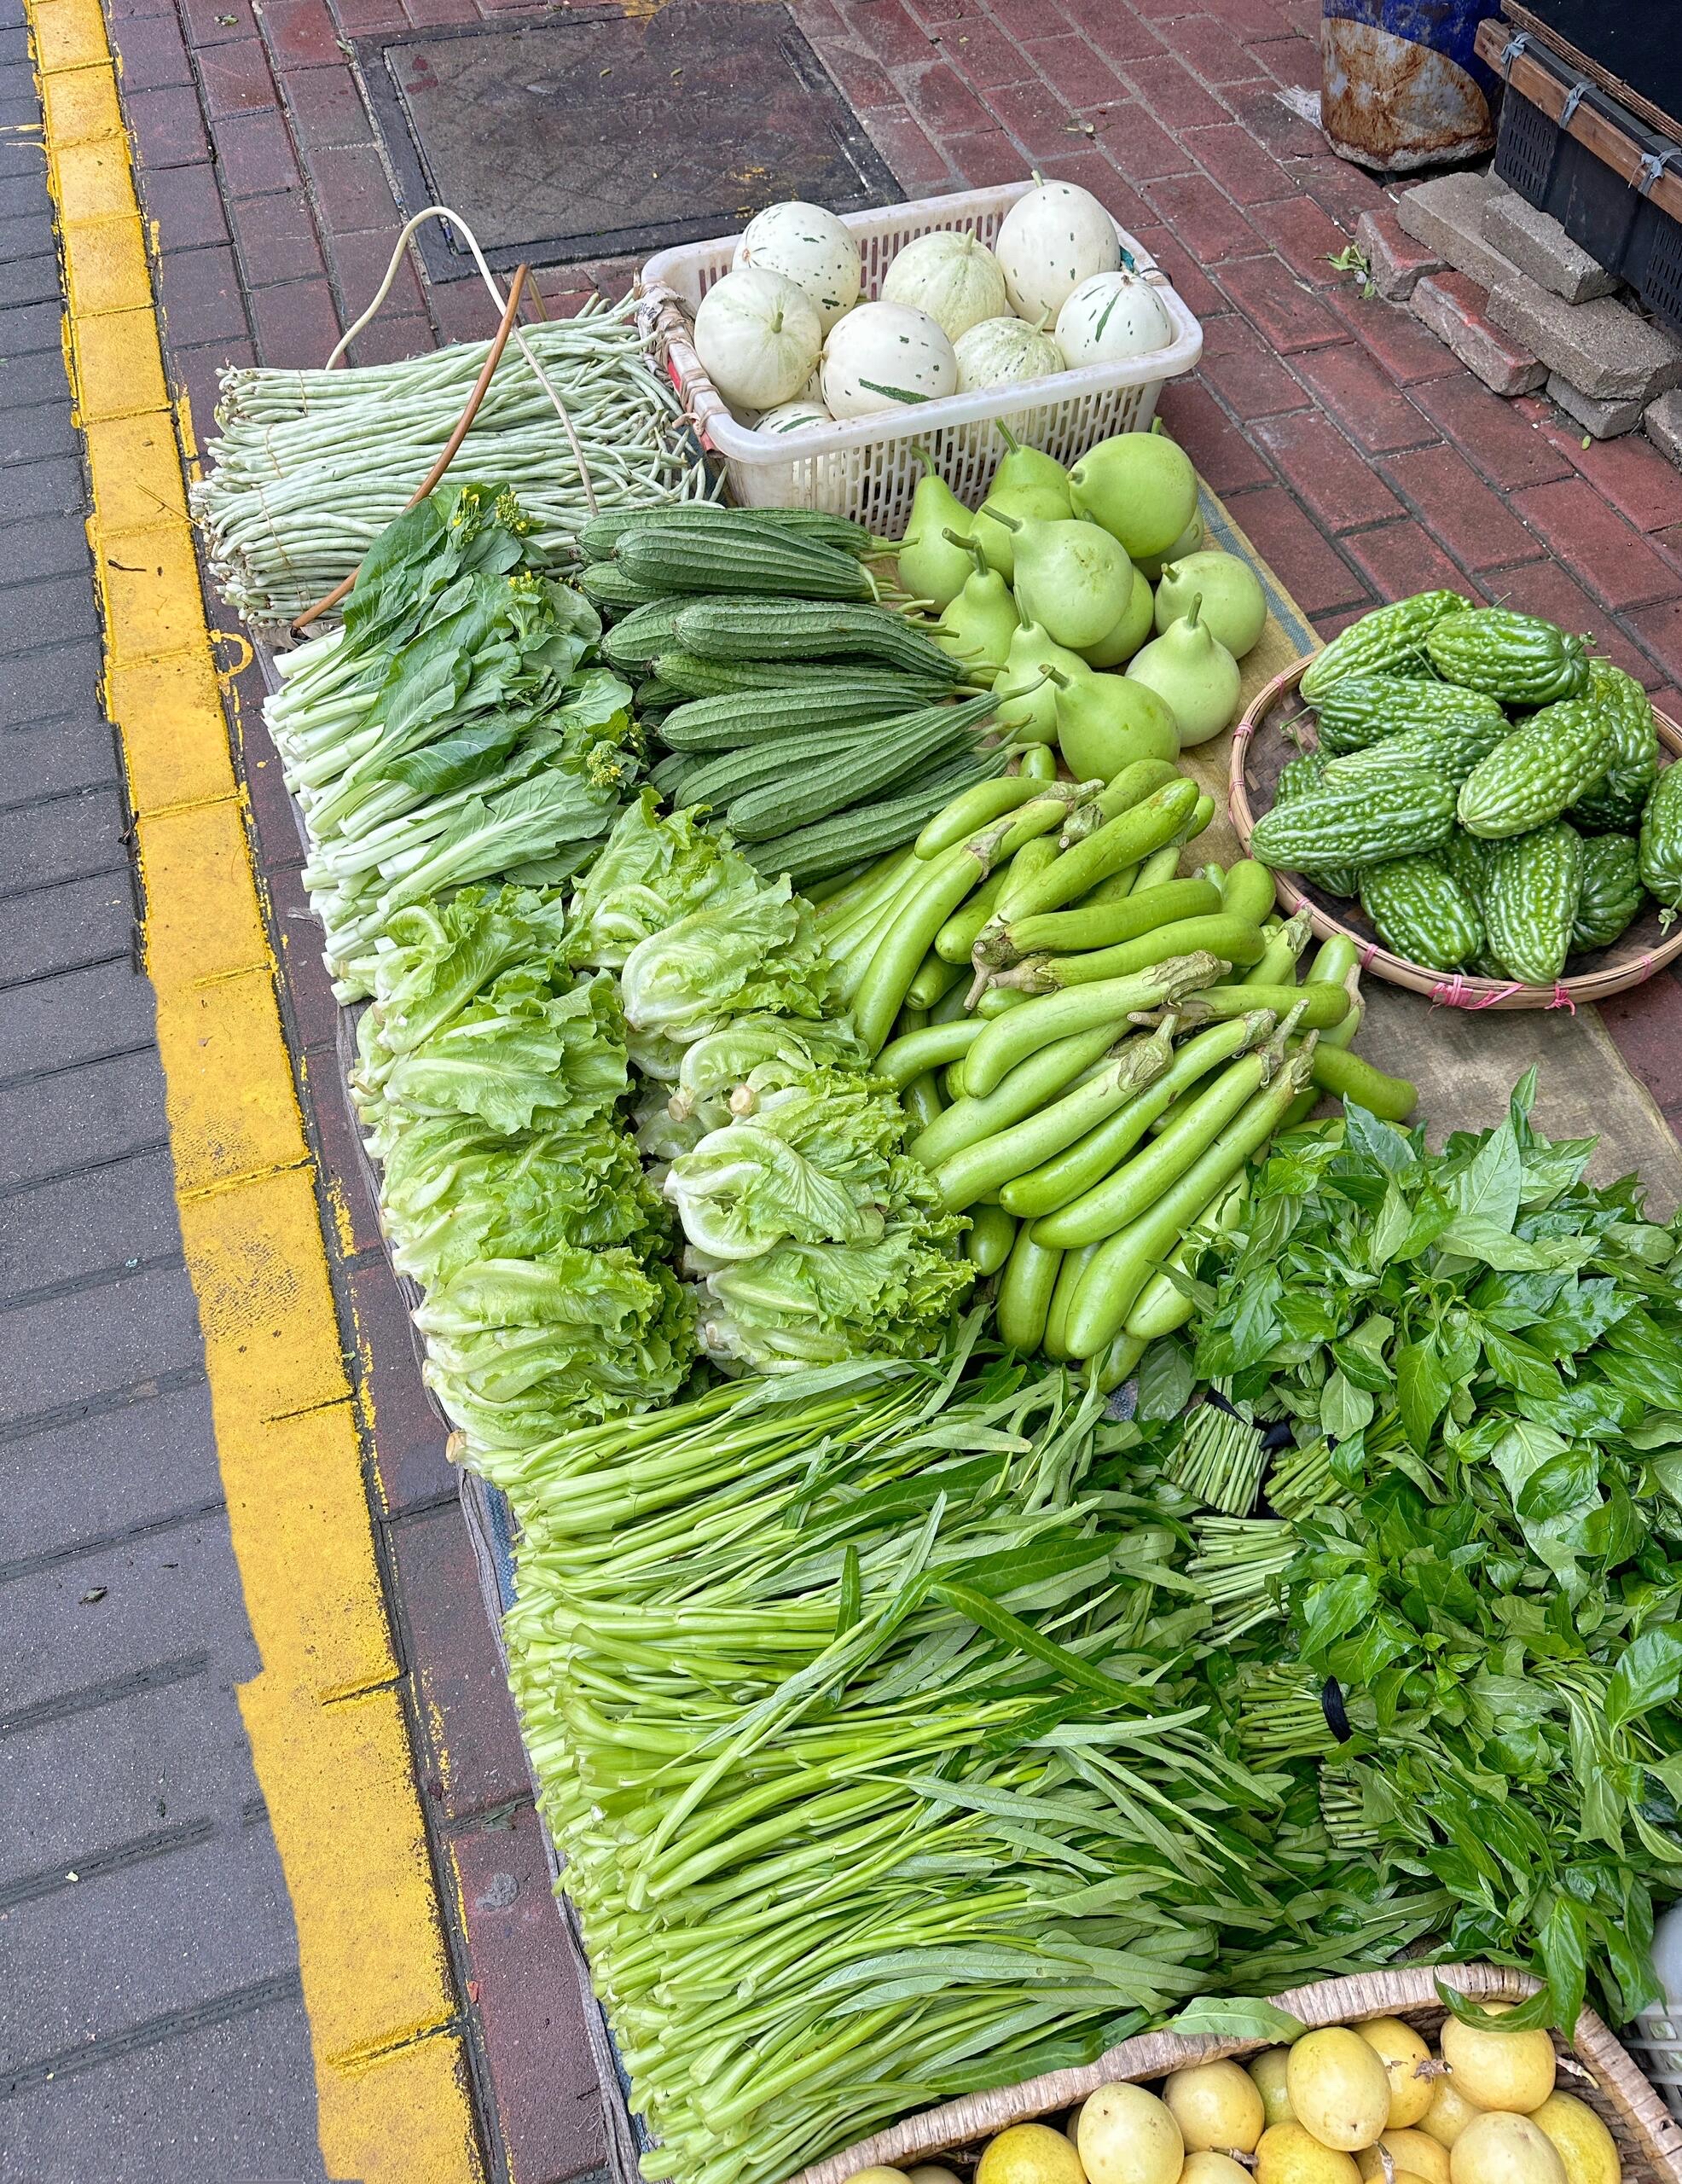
x=861 y=1702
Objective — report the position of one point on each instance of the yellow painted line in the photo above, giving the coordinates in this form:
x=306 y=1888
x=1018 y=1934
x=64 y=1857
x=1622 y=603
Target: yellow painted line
x=325 y=1719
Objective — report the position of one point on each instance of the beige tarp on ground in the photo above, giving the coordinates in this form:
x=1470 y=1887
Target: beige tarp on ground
x=1464 y=1064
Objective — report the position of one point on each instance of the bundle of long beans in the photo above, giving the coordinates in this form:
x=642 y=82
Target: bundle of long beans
x=860 y=1707
x=313 y=465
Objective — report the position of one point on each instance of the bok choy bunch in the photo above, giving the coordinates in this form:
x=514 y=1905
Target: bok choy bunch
x=488 y=1084
x=860 y=1703
x=450 y=731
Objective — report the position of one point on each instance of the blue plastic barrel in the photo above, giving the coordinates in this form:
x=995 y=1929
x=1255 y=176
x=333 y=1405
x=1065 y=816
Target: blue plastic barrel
x=1402 y=86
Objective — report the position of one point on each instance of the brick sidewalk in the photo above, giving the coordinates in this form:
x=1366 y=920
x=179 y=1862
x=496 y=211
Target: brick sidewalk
x=1352 y=446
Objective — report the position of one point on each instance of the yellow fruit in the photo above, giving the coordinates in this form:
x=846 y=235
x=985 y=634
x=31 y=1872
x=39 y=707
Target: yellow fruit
x=1216 y=2106
x=1501 y=2147
x=1206 y=2167
x=1071 y=2129
x=1029 y=2154
x=1287 y=2154
x=1581 y=2140
x=1402 y=2051
x=1268 y=2069
x=1449 y=2115
x=1127 y=2136
x=930 y=2172
x=1338 y=2088
x=1421 y=2157
x=1511 y=2070
x=877 y=2176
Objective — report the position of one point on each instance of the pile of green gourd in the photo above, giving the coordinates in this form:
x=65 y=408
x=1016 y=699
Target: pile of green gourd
x=1062 y=575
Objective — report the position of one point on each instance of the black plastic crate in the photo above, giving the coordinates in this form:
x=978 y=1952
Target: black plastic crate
x=1614 y=221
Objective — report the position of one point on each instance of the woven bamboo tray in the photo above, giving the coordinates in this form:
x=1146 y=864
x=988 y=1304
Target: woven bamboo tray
x=1260 y=751
x=1594 y=2067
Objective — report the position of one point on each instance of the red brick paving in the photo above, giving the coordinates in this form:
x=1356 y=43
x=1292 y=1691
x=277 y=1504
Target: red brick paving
x=1363 y=459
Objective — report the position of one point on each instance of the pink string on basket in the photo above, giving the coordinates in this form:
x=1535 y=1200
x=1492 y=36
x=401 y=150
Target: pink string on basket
x=1454 y=993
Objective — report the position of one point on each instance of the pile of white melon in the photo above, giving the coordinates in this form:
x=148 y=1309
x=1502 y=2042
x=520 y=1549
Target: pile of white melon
x=786 y=340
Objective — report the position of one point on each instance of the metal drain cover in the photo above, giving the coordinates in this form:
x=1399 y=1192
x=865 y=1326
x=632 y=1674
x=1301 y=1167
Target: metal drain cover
x=596 y=134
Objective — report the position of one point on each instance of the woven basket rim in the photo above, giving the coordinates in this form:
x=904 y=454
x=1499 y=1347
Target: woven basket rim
x=1454 y=990
x=1646 y=2133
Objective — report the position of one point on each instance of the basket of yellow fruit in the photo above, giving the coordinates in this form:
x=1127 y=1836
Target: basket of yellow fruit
x=1372 y=2080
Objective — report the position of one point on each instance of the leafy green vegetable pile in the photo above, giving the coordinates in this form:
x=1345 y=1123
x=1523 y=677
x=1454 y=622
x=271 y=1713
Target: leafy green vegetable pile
x=865 y=1705
x=1479 y=1541
x=814 y=1237
x=448 y=732
x=488 y=1083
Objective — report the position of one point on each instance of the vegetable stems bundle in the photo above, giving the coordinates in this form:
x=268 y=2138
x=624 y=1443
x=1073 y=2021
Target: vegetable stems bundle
x=448 y=732
x=312 y=466
x=853 y=1706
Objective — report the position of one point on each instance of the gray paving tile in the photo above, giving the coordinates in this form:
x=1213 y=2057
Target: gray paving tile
x=93 y=1780
x=43 y=429
x=58 y=755
x=29 y=280
x=72 y=1486
x=61 y=838
x=78 y=1017
x=96 y=1341
x=25 y=191
x=232 y=2103
x=28 y=380
x=148 y=1599
x=71 y=923
x=55 y=681
x=27 y=328
x=161 y=1935
x=52 y=487
x=14 y=45
x=58 y=544
x=85 y=1223
x=96 y=1114
x=46 y=613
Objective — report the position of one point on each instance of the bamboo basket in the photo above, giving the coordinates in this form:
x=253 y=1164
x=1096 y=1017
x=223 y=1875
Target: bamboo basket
x=1260 y=751
x=1594 y=2066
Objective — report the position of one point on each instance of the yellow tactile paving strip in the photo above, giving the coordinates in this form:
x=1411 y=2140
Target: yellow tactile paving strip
x=324 y=1717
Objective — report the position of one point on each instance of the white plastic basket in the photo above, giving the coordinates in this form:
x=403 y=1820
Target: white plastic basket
x=865 y=469
x=1656 y=2043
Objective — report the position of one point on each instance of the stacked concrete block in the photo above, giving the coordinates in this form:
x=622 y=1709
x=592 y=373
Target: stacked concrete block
x=1523 y=306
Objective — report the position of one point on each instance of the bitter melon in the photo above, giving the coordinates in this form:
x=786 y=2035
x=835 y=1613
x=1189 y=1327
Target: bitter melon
x=1366 y=822
x=1538 y=771
x=1662 y=841
x=1452 y=752
x=1298 y=777
x=1615 y=804
x=1362 y=709
x=1519 y=659
x=1388 y=641
x=1420 y=911
x=1531 y=890
x=1612 y=893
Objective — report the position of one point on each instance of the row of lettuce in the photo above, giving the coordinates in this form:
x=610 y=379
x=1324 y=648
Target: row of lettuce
x=908 y=1725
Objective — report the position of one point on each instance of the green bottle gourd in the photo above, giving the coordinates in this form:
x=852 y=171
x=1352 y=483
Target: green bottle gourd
x=1106 y=722
x=1195 y=672
x=934 y=560
x=977 y=627
x=1072 y=578
x=1027 y=708
x=1140 y=486
x=1026 y=484
x=1119 y=644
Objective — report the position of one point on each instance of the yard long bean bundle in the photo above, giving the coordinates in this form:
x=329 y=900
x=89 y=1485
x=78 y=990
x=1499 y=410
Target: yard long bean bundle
x=859 y=1705
x=313 y=465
